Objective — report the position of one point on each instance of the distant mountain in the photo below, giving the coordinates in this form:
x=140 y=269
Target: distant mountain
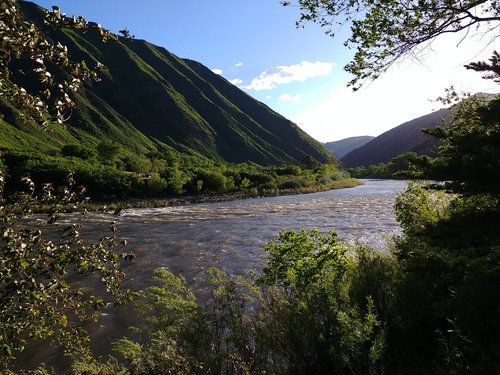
x=150 y=100
x=405 y=137
x=342 y=147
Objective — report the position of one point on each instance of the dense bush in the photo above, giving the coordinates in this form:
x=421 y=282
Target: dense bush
x=297 y=317
x=291 y=183
x=138 y=164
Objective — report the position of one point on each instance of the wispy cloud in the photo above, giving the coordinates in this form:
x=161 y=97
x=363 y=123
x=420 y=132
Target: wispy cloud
x=218 y=71
x=236 y=66
x=279 y=75
x=290 y=98
x=236 y=81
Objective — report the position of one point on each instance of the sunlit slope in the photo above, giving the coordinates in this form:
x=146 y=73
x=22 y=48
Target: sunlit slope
x=149 y=99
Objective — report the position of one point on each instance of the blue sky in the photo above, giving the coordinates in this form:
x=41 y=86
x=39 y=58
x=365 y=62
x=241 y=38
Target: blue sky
x=297 y=72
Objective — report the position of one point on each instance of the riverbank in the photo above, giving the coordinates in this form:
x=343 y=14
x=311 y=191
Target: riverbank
x=197 y=199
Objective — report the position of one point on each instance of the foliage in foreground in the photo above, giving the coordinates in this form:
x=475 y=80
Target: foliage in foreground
x=279 y=323
x=450 y=250
x=449 y=254
x=38 y=300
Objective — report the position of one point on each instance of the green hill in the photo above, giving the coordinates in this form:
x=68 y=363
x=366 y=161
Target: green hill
x=150 y=100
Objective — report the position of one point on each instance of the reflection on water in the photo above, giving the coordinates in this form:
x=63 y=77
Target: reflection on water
x=231 y=235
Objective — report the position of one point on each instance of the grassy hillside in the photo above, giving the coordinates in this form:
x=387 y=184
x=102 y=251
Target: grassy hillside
x=150 y=100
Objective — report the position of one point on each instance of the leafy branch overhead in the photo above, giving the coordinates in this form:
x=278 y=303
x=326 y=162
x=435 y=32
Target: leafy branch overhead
x=24 y=45
x=492 y=69
x=39 y=300
x=384 y=31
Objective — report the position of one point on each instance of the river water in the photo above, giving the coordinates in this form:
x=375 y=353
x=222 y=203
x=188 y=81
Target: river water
x=231 y=235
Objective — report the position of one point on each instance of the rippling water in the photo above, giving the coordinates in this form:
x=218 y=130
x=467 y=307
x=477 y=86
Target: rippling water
x=231 y=235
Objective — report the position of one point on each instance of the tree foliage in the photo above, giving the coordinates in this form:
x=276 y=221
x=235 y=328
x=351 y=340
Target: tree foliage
x=449 y=254
x=114 y=174
x=491 y=69
x=468 y=157
x=38 y=300
x=297 y=259
x=384 y=31
x=450 y=248
x=107 y=151
x=182 y=335
x=78 y=151
x=42 y=61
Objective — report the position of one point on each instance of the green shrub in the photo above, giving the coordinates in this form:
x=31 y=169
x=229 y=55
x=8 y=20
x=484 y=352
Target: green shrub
x=78 y=151
x=297 y=317
x=293 y=183
x=137 y=164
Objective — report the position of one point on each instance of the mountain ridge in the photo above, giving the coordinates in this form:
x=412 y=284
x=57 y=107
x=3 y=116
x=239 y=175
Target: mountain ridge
x=342 y=147
x=151 y=100
x=402 y=138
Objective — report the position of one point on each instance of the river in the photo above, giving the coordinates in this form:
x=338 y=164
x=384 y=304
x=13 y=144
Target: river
x=231 y=235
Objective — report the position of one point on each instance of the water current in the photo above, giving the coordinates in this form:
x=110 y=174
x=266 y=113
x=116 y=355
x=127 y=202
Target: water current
x=231 y=235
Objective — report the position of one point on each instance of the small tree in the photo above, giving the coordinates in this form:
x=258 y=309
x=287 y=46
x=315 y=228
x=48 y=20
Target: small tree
x=108 y=151
x=310 y=163
x=37 y=299
x=78 y=151
x=307 y=323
